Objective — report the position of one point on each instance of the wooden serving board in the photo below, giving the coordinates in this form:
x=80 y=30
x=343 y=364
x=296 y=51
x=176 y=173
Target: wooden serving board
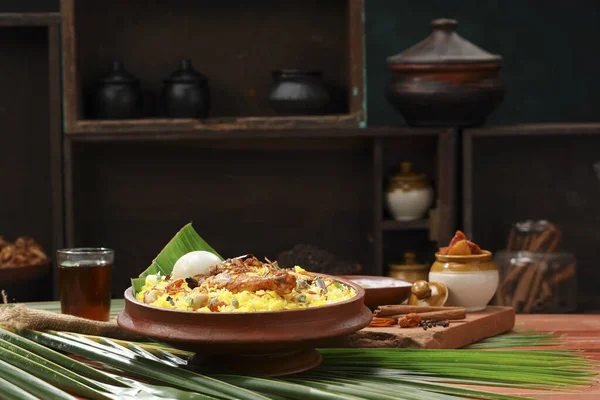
x=477 y=326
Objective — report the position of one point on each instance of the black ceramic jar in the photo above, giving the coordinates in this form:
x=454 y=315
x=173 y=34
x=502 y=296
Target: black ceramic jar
x=118 y=95
x=186 y=93
x=298 y=93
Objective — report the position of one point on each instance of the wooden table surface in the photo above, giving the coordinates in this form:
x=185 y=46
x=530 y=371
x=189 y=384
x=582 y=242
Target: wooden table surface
x=582 y=332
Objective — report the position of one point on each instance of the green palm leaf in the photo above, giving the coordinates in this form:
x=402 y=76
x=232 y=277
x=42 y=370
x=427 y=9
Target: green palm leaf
x=345 y=373
x=13 y=392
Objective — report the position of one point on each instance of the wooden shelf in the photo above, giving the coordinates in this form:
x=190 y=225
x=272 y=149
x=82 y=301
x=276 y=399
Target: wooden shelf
x=29 y=19
x=236 y=51
x=151 y=125
x=537 y=129
x=179 y=130
x=391 y=225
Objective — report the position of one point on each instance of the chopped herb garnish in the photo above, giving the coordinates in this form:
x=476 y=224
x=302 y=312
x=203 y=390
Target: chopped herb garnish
x=302 y=298
x=339 y=285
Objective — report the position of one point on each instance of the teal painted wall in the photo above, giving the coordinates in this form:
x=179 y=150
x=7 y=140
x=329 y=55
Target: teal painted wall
x=551 y=50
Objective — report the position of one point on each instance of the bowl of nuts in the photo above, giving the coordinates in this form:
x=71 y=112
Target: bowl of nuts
x=22 y=262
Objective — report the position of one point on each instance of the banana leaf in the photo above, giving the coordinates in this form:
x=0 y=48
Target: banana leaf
x=184 y=241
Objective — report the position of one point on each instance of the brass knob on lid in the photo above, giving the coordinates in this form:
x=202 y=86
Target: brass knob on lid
x=405 y=167
x=410 y=257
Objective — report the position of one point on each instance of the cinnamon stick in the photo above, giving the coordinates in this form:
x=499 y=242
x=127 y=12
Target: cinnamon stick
x=523 y=288
x=566 y=273
x=540 y=271
x=384 y=311
x=452 y=313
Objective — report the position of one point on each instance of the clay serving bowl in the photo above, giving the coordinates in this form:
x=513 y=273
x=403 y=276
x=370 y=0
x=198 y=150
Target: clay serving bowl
x=269 y=343
x=382 y=290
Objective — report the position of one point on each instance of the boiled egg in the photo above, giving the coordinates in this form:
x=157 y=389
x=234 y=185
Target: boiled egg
x=194 y=263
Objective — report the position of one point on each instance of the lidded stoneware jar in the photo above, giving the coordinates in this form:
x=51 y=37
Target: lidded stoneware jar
x=409 y=195
x=472 y=280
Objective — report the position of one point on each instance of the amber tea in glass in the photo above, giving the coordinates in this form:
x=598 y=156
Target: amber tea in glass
x=84 y=276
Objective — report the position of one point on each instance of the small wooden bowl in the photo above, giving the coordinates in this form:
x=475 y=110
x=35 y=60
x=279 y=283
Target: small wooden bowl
x=269 y=343
x=10 y=275
x=383 y=295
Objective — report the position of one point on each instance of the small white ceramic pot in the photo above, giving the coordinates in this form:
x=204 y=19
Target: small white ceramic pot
x=409 y=195
x=471 y=280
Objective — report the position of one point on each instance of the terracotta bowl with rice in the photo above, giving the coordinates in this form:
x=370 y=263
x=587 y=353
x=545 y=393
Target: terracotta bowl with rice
x=246 y=316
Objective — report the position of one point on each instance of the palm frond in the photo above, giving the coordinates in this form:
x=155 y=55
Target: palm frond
x=158 y=372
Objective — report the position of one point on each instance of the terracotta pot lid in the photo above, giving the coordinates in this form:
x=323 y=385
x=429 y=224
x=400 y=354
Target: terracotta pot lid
x=444 y=46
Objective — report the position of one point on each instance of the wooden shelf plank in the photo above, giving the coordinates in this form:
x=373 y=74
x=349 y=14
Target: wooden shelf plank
x=180 y=133
x=213 y=124
x=29 y=19
x=391 y=225
x=592 y=128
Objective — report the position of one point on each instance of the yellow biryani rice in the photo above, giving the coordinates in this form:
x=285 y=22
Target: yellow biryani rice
x=309 y=295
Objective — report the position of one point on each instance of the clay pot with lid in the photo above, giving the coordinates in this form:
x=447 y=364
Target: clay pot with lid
x=118 y=95
x=445 y=80
x=409 y=195
x=186 y=93
x=472 y=280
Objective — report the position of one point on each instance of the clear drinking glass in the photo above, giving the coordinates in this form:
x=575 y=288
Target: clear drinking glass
x=85 y=275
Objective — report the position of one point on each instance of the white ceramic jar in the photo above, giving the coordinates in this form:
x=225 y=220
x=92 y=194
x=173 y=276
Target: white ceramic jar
x=409 y=195
x=471 y=280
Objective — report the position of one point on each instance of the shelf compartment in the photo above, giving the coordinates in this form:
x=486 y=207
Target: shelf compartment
x=32 y=196
x=236 y=49
x=393 y=225
x=535 y=175
x=240 y=200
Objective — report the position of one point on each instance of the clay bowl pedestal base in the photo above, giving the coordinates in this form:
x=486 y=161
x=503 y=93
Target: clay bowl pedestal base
x=271 y=343
x=274 y=364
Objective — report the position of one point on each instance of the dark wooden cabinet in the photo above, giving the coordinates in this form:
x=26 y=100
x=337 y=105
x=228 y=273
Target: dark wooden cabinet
x=252 y=181
x=30 y=127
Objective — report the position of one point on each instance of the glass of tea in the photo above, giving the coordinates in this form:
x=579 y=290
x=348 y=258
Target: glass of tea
x=84 y=276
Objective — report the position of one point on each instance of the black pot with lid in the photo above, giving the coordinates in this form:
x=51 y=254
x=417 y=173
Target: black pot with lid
x=118 y=95
x=186 y=93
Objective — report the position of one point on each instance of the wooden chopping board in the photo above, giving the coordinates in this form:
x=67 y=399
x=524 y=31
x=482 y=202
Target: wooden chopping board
x=477 y=326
